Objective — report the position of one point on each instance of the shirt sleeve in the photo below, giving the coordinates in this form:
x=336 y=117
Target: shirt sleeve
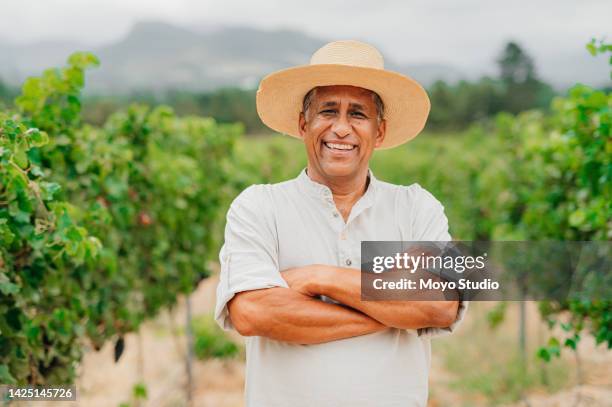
x=249 y=256
x=429 y=223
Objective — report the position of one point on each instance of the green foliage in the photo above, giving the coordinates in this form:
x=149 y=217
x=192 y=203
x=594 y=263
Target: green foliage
x=51 y=101
x=517 y=88
x=497 y=315
x=44 y=252
x=139 y=394
x=521 y=87
x=600 y=47
x=501 y=376
x=503 y=383
x=226 y=105
x=211 y=341
x=457 y=106
x=100 y=226
x=139 y=391
x=558 y=186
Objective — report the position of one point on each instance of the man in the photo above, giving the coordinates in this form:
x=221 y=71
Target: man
x=290 y=278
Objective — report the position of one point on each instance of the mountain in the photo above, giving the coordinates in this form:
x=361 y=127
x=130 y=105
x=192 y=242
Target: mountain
x=157 y=56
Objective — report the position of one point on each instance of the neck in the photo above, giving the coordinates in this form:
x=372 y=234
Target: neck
x=346 y=191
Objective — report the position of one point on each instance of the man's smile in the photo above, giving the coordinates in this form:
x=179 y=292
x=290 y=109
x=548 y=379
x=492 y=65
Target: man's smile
x=335 y=146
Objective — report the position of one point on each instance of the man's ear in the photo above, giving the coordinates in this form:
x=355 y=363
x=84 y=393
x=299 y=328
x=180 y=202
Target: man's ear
x=302 y=124
x=380 y=135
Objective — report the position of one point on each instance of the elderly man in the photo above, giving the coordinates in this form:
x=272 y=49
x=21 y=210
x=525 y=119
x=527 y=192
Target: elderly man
x=290 y=278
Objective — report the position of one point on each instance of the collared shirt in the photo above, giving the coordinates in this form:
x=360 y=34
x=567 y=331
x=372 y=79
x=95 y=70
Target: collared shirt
x=271 y=228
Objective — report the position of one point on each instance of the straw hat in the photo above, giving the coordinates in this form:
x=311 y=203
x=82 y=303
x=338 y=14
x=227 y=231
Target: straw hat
x=280 y=94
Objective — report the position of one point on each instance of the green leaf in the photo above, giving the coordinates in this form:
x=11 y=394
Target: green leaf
x=591 y=48
x=49 y=189
x=577 y=218
x=83 y=60
x=21 y=158
x=39 y=138
x=9 y=288
x=33 y=333
x=74 y=234
x=544 y=354
x=6 y=235
x=5 y=375
x=139 y=391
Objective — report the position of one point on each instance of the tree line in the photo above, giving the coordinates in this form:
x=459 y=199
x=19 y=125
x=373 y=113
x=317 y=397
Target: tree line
x=516 y=88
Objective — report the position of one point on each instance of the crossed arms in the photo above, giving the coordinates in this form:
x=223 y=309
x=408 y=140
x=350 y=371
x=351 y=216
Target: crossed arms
x=289 y=309
x=295 y=315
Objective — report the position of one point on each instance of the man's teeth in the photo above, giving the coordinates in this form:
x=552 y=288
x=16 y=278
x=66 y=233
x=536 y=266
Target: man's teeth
x=340 y=146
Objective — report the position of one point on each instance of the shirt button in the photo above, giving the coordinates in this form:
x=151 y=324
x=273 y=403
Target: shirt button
x=335 y=214
x=348 y=262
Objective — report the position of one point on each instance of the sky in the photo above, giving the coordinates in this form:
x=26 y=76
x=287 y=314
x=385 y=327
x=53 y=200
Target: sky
x=465 y=33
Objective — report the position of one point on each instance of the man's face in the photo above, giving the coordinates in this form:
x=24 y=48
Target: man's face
x=340 y=130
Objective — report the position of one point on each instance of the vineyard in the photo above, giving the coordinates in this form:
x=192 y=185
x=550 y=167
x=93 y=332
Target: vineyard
x=102 y=227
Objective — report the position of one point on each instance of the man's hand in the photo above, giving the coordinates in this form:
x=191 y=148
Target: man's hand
x=305 y=279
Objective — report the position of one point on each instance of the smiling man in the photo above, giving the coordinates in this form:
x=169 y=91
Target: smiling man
x=290 y=265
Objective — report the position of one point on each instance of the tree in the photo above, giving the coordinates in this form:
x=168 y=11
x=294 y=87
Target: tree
x=517 y=72
x=515 y=65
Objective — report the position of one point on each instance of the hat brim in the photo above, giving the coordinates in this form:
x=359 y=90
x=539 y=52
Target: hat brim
x=280 y=96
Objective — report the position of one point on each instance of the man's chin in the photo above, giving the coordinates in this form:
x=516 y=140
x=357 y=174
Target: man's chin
x=343 y=171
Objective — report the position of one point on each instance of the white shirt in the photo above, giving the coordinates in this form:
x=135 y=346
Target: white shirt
x=271 y=228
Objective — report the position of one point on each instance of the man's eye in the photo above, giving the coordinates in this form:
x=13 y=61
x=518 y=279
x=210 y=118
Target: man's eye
x=328 y=112
x=359 y=114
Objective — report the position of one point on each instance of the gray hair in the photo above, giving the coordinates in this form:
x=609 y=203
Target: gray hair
x=380 y=107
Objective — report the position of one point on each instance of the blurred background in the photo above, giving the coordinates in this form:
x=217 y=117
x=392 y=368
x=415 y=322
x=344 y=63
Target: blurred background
x=127 y=128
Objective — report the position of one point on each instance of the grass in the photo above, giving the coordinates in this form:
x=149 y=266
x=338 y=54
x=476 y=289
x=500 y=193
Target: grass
x=486 y=362
x=210 y=341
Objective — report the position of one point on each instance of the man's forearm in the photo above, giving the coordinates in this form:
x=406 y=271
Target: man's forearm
x=287 y=315
x=344 y=286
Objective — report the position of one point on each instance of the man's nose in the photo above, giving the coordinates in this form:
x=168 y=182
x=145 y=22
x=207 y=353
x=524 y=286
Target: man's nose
x=341 y=126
